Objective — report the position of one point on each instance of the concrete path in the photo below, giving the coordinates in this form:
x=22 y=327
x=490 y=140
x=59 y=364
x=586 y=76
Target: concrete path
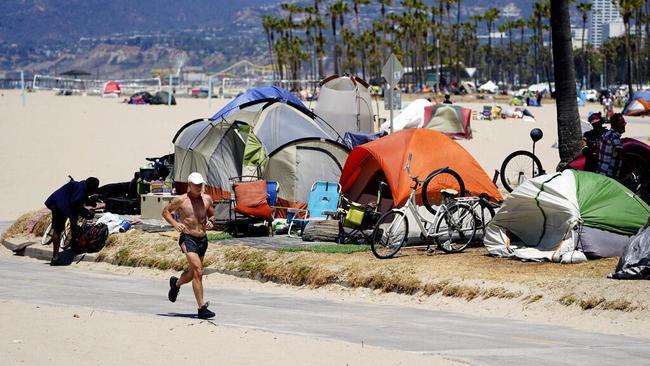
x=4 y=225
x=475 y=340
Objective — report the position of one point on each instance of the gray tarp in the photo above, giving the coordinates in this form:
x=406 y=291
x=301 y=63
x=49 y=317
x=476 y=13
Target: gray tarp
x=596 y=243
x=635 y=262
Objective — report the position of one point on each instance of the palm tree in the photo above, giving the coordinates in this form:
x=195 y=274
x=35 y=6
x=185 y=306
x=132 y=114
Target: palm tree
x=568 y=119
x=522 y=51
x=490 y=17
x=627 y=9
x=356 y=4
x=457 y=39
x=269 y=23
x=336 y=11
x=584 y=9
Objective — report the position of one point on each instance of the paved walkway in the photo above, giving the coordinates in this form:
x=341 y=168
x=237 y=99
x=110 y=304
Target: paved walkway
x=476 y=340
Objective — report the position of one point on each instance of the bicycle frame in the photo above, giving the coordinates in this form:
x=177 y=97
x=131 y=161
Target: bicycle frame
x=411 y=206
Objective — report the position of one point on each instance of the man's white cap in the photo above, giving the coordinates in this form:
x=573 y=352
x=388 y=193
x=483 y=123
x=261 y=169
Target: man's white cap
x=195 y=178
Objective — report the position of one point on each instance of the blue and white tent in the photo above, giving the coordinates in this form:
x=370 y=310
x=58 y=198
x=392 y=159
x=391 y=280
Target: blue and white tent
x=255 y=94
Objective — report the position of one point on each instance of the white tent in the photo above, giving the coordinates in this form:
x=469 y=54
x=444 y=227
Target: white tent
x=489 y=87
x=411 y=117
x=345 y=104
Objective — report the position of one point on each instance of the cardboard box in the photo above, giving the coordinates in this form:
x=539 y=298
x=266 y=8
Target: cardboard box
x=151 y=205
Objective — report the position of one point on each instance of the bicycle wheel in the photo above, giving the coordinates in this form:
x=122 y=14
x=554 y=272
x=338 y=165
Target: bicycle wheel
x=46 y=239
x=456 y=228
x=390 y=234
x=518 y=167
x=483 y=214
x=437 y=181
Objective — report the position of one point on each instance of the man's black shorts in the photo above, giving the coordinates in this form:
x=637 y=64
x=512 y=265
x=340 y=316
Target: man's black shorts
x=58 y=220
x=195 y=244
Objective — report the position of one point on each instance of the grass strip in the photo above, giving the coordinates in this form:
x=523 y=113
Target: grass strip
x=328 y=248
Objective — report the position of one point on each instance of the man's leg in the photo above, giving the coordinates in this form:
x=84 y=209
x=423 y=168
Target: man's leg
x=196 y=273
x=56 y=239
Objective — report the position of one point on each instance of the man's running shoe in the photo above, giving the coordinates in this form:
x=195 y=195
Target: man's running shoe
x=204 y=313
x=173 y=289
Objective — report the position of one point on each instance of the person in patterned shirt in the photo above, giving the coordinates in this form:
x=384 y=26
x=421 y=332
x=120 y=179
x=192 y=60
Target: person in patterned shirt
x=610 y=157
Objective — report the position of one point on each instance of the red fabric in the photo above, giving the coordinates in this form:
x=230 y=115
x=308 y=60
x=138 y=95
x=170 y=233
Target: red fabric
x=630 y=145
x=251 y=199
x=112 y=88
x=431 y=150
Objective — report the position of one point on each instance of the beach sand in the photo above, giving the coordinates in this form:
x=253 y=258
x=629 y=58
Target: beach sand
x=52 y=137
x=32 y=332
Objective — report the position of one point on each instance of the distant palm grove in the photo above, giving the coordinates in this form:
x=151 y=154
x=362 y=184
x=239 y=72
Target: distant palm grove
x=309 y=42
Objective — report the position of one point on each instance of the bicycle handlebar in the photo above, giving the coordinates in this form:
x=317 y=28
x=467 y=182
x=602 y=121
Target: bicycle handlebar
x=407 y=168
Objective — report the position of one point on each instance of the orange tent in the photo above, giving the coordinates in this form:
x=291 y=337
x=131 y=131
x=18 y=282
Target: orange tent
x=384 y=159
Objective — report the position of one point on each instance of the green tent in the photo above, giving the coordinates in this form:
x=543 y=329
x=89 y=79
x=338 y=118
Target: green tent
x=538 y=219
x=608 y=205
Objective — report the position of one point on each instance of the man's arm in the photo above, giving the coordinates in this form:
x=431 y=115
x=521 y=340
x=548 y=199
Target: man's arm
x=210 y=214
x=168 y=211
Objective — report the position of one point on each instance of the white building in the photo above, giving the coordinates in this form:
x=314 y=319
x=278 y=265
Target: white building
x=576 y=36
x=603 y=12
x=615 y=29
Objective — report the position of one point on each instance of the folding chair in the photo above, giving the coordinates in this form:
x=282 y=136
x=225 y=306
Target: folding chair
x=356 y=220
x=323 y=200
x=250 y=203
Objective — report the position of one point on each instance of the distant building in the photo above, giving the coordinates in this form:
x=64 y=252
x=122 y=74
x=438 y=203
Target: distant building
x=603 y=13
x=616 y=29
x=576 y=37
x=193 y=75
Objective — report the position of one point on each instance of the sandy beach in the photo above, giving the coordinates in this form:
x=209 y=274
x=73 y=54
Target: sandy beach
x=107 y=338
x=52 y=137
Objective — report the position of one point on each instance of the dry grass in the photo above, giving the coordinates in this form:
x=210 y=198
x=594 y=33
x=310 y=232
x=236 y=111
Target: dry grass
x=597 y=302
x=500 y=293
x=532 y=298
x=618 y=305
x=568 y=299
x=19 y=227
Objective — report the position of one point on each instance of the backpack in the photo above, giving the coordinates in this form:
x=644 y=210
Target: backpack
x=91 y=238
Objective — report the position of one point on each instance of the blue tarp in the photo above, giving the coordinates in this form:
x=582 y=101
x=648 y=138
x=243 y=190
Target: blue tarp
x=353 y=139
x=257 y=94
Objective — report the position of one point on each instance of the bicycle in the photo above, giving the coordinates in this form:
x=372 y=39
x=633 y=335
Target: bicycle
x=453 y=221
x=484 y=210
x=521 y=165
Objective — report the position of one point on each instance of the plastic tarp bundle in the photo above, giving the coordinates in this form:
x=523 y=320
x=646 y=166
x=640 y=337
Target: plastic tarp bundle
x=452 y=120
x=345 y=104
x=411 y=117
x=354 y=139
x=635 y=261
x=537 y=220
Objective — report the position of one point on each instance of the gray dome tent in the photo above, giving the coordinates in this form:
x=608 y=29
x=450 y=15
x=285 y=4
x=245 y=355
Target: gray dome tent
x=298 y=164
x=238 y=144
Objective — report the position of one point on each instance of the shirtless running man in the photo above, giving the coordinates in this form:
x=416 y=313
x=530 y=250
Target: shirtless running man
x=196 y=216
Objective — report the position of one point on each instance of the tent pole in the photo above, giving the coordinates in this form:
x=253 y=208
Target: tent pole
x=22 y=86
x=209 y=93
